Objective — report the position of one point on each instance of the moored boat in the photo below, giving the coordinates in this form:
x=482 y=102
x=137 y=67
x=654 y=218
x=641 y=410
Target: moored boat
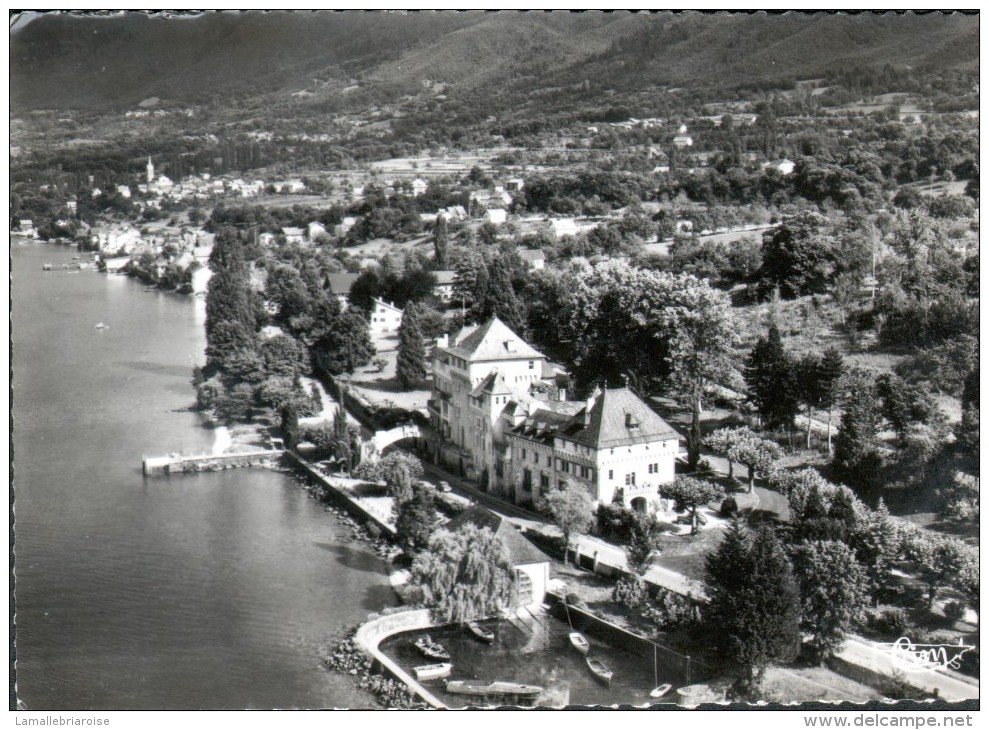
x=433 y=671
x=101 y=326
x=600 y=670
x=480 y=632
x=578 y=642
x=431 y=649
x=660 y=691
x=481 y=688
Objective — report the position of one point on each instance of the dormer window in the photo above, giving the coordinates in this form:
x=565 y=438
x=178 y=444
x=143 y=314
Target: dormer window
x=631 y=422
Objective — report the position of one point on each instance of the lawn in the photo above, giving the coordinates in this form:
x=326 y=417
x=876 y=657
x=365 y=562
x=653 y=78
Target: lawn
x=380 y=387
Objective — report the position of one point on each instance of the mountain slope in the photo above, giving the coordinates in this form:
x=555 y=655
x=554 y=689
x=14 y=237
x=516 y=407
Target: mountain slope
x=66 y=61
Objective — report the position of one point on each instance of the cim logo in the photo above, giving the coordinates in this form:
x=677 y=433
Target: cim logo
x=910 y=657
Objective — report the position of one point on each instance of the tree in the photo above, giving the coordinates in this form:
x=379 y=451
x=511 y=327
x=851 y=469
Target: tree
x=501 y=300
x=939 y=560
x=754 y=608
x=967 y=581
x=809 y=386
x=570 y=508
x=416 y=520
x=465 y=575
x=284 y=356
x=723 y=442
x=410 y=367
x=346 y=438
x=758 y=454
x=700 y=350
x=830 y=368
x=798 y=258
x=690 y=493
x=643 y=543
x=771 y=375
x=345 y=347
x=856 y=454
x=967 y=431
x=441 y=243
x=833 y=589
x=399 y=471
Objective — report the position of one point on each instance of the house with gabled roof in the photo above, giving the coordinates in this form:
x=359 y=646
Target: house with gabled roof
x=340 y=284
x=531 y=564
x=476 y=373
x=618 y=448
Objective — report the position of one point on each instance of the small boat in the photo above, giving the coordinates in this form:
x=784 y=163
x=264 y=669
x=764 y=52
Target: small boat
x=660 y=691
x=433 y=671
x=46 y=266
x=579 y=642
x=481 y=688
x=480 y=632
x=101 y=326
x=430 y=649
x=600 y=670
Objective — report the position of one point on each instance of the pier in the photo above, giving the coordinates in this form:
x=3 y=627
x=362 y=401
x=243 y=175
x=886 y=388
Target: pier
x=180 y=463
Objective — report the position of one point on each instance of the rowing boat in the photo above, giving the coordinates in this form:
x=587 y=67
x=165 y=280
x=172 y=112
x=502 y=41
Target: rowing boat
x=600 y=670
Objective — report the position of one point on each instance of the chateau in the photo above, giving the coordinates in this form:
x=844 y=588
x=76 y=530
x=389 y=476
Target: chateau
x=503 y=418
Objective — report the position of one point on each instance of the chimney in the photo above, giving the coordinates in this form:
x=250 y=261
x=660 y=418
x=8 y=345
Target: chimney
x=443 y=341
x=589 y=404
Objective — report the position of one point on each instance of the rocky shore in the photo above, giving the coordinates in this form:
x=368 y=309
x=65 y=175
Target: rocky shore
x=392 y=694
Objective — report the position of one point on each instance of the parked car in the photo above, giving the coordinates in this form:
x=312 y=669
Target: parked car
x=445 y=487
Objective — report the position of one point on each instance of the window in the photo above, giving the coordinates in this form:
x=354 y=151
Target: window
x=527 y=480
x=630 y=480
x=654 y=468
x=535 y=457
x=611 y=473
x=543 y=483
x=532 y=365
x=523 y=453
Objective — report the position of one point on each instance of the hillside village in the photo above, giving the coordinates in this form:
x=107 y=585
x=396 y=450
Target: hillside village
x=681 y=330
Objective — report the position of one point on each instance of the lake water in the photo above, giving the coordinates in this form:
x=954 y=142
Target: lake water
x=208 y=591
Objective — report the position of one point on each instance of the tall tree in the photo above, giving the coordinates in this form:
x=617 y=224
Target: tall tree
x=441 y=243
x=410 y=366
x=690 y=493
x=830 y=368
x=416 y=520
x=571 y=510
x=770 y=373
x=834 y=591
x=465 y=575
x=754 y=611
x=857 y=459
x=502 y=302
x=809 y=386
x=725 y=441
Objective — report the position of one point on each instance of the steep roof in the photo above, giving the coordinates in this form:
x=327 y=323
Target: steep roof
x=529 y=254
x=493 y=384
x=618 y=418
x=493 y=340
x=542 y=424
x=341 y=283
x=445 y=276
x=520 y=550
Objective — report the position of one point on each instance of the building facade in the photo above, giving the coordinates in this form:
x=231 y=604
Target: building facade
x=503 y=420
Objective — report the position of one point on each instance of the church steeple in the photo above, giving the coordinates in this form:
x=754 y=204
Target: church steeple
x=151 y=170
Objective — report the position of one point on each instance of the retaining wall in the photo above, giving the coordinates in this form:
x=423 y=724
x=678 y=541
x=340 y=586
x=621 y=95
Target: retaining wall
x=370 y=635
x=341 y=499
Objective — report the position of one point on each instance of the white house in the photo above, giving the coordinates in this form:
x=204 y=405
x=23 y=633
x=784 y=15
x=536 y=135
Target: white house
x=563 y=227
x=123 y=191
x=496 y=216
x=419 y=186
x=683 y=140
x=385 y=318
x=314 y=229
x=514 y=184
x=535 y=259
x=784 y=166
x=444 y=284
x=341 y=229
x=293 y=235
x=615 y=446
